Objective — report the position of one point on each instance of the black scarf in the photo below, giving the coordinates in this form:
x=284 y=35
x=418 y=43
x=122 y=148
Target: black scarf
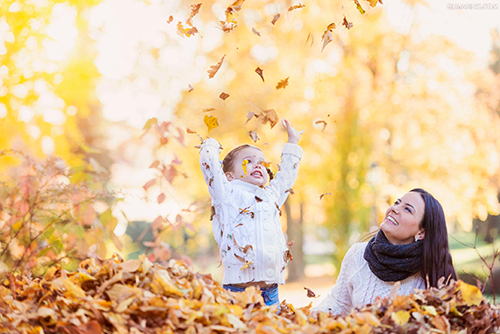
x=391 y=262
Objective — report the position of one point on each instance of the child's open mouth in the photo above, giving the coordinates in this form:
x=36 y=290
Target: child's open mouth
x=257 y=173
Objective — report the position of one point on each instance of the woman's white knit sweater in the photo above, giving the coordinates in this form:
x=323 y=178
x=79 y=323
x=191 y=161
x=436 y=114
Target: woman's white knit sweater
x=357 y=285
x=245 y=220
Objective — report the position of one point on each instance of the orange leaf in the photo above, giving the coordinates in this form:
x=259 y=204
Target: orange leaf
x=275 y=18
x=297 y=7
x=195 y=8
x=149 y=184
x=161 y=198
x=170 y=19
x=327 y=35
x=223 y=96
x=269 y=116
x=155 y=164
x=282 y=84
x=215 y=68
x=188 y=130
x=208 y=109
x=260 y=72
x=211 y=122
x=347 y=24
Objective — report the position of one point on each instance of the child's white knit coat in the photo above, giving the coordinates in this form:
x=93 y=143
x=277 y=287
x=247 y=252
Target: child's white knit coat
x=246 y=222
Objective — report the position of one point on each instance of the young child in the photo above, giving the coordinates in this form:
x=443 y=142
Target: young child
x=245 y=212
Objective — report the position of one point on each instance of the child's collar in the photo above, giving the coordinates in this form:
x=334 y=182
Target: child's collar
x=245 y=185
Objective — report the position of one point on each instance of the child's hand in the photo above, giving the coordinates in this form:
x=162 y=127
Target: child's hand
x=293 y=135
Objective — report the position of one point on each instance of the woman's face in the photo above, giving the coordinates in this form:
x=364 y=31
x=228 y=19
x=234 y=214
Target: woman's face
x=402 y=220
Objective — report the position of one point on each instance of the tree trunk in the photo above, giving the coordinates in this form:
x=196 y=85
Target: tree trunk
x=295 y=233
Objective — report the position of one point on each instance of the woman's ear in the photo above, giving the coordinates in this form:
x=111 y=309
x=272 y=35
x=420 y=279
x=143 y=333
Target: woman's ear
x=229 y=176
x=420 y=235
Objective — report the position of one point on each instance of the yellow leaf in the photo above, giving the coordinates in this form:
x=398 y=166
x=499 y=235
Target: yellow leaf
x=366 y=318
x=430 y=310
x=73 y=289
x=211 y=122
x=282 y=84
x=400 y=317
x=470 y=294
x=247 y=265
x=244 y=167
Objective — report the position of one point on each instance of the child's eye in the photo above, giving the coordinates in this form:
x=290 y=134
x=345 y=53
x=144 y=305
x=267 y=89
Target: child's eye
x=409 y=210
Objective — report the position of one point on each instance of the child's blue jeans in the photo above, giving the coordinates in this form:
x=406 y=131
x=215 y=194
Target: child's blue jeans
x=270 y=294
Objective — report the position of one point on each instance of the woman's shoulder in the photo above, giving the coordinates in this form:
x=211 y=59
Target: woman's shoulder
x=355 y=253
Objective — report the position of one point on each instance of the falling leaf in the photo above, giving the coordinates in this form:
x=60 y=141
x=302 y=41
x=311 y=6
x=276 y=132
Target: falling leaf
x=324 y=124
x=247 y=265
x=310 y=293
x=191 y=88
x=275 y=18
x=327 y=35
x=170 y=19
x=266 y=164
x=290 y=191
x=208 y=109
x=400 y=317
x=150 y=123
x=373 y=3
x=181 y=31
x=358 y=7
x=211 y=122
x=297 y=7
x=223 y=96
x=149 y=184
x=288 y=256
x=188 y=130
x=260 y=72
x=250 y=115
x=215 y=68
x=255 y=32
x=290 y=243
x=310 y=36
x=253 y=135
x=282 y=84
x=228 y=26
x=191 y=31
x=322 y=195
x=161 y=198
x=347 y=24
x=269 y=116
x=154 y=164
x=195 y=8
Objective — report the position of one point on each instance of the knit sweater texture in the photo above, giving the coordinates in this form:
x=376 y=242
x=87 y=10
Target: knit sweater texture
x=245 y=220
x=357 y=286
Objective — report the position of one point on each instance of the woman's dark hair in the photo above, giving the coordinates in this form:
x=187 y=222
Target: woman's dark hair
x=436 y=257
x=228 y=162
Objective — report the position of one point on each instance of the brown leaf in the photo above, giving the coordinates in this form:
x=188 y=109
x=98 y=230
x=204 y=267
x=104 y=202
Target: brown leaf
x=260 y=72
x=228 y=26
x=275 y=18
x=155 y=164
x=247 y=247
x=255 y=32
x=322 y=195
x=191 y=88
x=250 y=114
x=310 y=293
x=161 y=198
x=269 y=116
x=296 y=7
x=223 y=96
x=277 y=207
x=282 y=84
x=258 y=199
x=215 y=68
x=347 y=24
x=210 y=181
x=195 y=8
x=290 y=191
x=149 y=184
x=188 y=130
x=311 y=36
x=170 y=19
x=324 y=124
x=212 y=213
x=253 y=135
x=290 y=243
x=239 y=258
x=208 y=109
x=327 y=35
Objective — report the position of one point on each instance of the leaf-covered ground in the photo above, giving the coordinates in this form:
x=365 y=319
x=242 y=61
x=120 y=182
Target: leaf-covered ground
x=136 y=296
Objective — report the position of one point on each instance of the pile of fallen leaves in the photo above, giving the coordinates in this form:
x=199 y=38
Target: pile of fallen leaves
x=136 y=296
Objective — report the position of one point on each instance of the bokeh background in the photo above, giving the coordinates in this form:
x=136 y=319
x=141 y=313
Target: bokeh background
x=409 y=96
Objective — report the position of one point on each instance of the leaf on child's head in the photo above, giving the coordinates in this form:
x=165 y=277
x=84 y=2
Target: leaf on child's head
x=282 y=84
x=223 y=96
x=275 y=18
x=260 y=72
x=253 y=135
x=215 y=68
x=211 y=122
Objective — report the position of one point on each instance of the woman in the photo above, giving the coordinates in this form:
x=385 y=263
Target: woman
x=411 y=247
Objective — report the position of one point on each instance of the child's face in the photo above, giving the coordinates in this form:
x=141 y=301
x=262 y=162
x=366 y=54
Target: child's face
x=250 y=159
